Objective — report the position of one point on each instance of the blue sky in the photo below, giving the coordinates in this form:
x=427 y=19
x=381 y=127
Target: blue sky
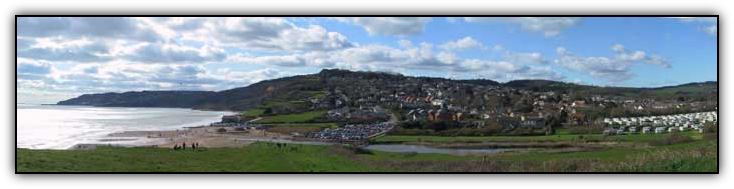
x=60 y=58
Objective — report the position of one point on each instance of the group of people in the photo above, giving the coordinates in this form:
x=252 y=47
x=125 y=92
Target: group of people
x=194 y=146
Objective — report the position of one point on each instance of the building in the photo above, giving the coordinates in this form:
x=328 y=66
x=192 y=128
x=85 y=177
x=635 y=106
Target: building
x=231 y=119
x=533 y=123
x=578 y=103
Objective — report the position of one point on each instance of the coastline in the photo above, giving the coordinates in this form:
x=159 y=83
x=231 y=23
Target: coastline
x=205 y=136
x=83 y=128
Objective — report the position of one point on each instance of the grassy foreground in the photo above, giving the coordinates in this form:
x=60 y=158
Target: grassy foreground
x=697 y=156
x=258 y=157
x=638 y=138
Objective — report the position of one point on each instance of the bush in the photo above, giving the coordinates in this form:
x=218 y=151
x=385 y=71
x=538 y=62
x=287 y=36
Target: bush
x=414 y=132
x=523 y=132
x=673 y=138
x=710 y=136
x=358 y=150
x=710 y=128
x=585 y=130
x=221 y=130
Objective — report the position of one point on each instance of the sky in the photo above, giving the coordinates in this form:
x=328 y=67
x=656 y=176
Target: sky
x=61 y=58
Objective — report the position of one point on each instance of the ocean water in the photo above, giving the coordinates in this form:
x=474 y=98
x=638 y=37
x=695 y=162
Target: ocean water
x=61 y=127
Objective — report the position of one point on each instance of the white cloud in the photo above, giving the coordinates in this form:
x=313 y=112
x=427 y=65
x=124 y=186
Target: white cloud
x=549 y=26
x=61 y=49
x=452 y=19
x=168 y=53
x=711 y=30
x=313 y=59
x=422 y=57
x=85 y=50
x=232 y=79
x=697 y=19
x=405 y=43
x=398 y=26
x=639 y=56
x=525 y=58
x=95 y=27
x=29 y=69
x=465 y=43
x=270 y=34
x=614 y=69
x=708 y=25
x=119 y=76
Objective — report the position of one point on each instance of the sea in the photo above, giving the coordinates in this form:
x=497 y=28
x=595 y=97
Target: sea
x=62 y=127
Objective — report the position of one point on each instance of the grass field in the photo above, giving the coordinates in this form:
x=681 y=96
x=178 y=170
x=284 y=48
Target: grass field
x=254 y=112
x=292 y=118
x=280 y=103
x=557 y=138
x=698 y=156
x=256 y=157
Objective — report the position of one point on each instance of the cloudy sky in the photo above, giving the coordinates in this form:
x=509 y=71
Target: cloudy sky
x=60 y=58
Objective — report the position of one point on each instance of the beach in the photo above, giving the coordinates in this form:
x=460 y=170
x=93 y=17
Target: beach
x=205 y=136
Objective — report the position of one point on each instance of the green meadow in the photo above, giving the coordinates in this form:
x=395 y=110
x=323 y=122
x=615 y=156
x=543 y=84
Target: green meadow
x=696 y=156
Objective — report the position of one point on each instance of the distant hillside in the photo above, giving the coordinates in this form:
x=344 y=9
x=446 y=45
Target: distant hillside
x=171 y=99
x=295 y=90
x=545 y=85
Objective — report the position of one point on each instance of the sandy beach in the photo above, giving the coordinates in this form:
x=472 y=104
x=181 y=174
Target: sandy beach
x=204 y=136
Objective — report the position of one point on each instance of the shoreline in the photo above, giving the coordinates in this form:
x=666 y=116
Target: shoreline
x=83 y=130
x=205 y=136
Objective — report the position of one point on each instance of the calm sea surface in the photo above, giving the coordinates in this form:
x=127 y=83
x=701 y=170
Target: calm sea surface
x=61 y=127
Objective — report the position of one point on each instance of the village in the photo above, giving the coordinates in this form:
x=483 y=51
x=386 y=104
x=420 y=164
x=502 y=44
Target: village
x=477 y=104
x=361 y=103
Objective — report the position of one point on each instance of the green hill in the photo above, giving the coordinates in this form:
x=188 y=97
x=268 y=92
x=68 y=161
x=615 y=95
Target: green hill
x=292 y=94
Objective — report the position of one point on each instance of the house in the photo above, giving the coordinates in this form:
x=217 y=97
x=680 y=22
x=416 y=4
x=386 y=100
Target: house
x=437 y=102
x=578 y=103
x=231 y=119
x=532 y=122
x=660 y=130
x=456 y=116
